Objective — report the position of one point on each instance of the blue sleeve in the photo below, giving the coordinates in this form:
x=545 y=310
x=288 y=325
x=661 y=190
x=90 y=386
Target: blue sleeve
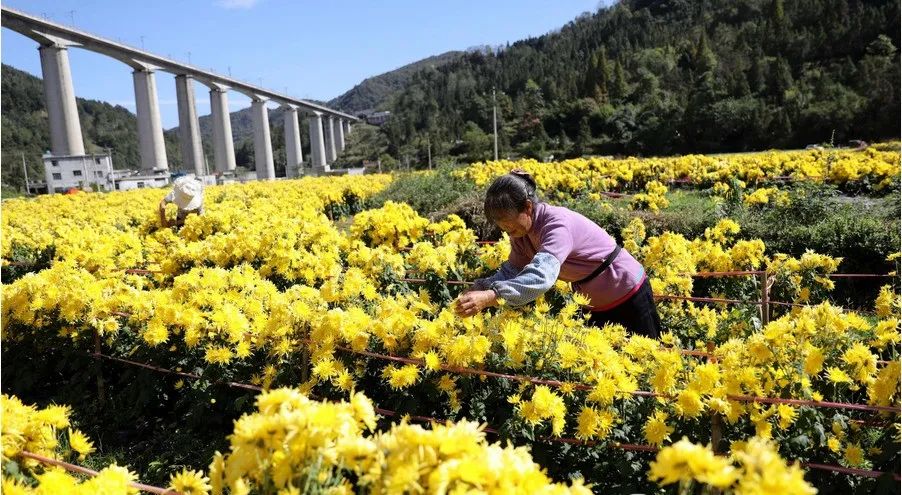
x=506 y=272
x=533 y=280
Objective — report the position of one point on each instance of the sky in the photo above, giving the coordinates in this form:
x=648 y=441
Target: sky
x=305 y=48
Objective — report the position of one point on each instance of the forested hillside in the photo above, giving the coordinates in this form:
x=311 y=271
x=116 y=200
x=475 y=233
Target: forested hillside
x=374 y=93
x=660 y=77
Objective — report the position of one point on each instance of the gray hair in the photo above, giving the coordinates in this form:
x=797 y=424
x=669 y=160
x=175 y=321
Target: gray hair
x=509 y=193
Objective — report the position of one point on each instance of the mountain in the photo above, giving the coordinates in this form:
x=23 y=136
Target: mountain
x=375 y=92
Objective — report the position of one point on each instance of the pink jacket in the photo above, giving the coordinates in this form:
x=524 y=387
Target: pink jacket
x=580 y=246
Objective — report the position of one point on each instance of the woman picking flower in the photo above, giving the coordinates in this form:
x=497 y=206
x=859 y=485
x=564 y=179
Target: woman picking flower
x=550 y=243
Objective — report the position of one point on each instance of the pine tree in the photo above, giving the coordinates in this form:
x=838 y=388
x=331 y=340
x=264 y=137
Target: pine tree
x=597 y=77
x=777 y=13
x=703 y=59
x=620 y=88
x=758 y=75
x=583 y=138
x=602 y=77
x=781 y=79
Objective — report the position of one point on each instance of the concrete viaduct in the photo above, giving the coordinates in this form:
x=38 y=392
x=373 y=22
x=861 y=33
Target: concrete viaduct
x=328 y=127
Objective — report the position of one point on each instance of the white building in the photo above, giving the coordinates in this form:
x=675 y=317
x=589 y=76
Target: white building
x=138 y=181
x=96 y=172
x=378 y=118
x=79 y=171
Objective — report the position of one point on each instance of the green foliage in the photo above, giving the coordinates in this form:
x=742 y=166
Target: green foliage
x=366 y=143
x=476 y=144
x=689 y=214
x=425 y=192
x=155 y=423
x=861 y=230
x=388 y=162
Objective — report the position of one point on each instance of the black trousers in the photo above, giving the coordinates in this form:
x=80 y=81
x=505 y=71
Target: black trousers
x=637 y=314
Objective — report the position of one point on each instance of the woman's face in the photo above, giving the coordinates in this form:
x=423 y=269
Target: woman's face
x=516 y=224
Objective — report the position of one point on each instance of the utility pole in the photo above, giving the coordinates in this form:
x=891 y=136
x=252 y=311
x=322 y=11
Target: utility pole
x=84 y=169
x=25 y=171
x=495 y=123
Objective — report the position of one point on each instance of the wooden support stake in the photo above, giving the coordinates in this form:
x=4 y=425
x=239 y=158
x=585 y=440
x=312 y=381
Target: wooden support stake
x=716 y=420
x=765 y=298
x=305 y=364
x=98 y=368
x=90 y=472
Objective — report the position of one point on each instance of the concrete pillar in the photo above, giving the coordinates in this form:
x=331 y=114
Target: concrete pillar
x=223 y=147
x=340 y=134
x=331 y=153
x=262 y=140
x=347 y=128
x=293 y=152
x=189 y=131
x=317 y=147
x=150 y=129
x=65 y=128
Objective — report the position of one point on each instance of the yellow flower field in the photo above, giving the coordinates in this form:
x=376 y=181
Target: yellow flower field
x=266 y=288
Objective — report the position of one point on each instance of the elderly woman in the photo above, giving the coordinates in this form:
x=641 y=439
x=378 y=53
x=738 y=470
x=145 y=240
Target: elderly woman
x=550 y=243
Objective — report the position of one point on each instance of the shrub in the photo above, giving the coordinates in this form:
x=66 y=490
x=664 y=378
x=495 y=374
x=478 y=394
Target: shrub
x=426 y=192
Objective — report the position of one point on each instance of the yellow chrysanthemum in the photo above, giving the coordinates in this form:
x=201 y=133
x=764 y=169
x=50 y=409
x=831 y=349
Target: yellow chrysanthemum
x=80 y=443
x=189 y=482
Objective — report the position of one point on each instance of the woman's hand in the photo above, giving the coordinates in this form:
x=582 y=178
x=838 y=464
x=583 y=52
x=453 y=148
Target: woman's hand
x=473 y=301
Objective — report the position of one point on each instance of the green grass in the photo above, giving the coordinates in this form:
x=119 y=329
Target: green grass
x=9 y=192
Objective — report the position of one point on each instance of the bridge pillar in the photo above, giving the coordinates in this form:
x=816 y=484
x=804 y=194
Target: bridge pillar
x=331 y=154
x=65 y=128
x=317 y=147
x=293 y=151
x=223 y=147
x=347 y=128
x=150 y=129
x=340 y=134
x=262 y=140
x=189 y=131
